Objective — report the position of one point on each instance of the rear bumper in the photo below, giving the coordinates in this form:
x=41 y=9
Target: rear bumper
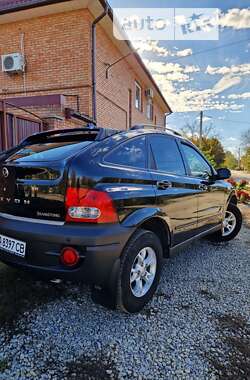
x=100 y=246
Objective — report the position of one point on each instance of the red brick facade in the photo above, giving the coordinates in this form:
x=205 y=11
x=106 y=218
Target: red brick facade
x=57 y=49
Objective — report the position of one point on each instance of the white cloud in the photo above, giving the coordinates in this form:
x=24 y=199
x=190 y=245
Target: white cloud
x=184 y=53
x=191 y=69
x=243 y=69
x=172 y=71
x=225 y=83
x=245 y=95
x=154 y=47
x=151 y=46
x=206 y=119
x=236 y=18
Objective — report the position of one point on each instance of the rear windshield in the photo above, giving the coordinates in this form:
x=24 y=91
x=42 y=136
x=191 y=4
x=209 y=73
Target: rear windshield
x=49 y=151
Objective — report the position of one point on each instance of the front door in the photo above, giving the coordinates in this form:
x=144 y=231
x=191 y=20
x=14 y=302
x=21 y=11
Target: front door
x=176 y=193
x=211 y=196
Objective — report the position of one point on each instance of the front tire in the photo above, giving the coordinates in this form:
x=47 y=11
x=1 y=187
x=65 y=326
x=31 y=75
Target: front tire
x=231 y=225
x=140 y=271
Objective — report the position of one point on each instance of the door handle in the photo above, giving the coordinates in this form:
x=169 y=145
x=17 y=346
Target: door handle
x=163 y=185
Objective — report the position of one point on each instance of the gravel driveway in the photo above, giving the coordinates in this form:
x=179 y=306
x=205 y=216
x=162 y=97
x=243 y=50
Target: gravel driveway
x=197 y=326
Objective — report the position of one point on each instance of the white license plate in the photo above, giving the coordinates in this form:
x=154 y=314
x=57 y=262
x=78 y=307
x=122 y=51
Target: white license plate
x=16 y=247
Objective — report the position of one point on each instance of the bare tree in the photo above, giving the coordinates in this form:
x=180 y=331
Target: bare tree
x=192 y=131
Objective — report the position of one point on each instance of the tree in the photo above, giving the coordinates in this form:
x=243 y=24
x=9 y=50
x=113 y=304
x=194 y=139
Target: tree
x=213 y=150
x=192 y=131
x=210 y=144
x=246 y=139
x=246 y=160
x=230 y=161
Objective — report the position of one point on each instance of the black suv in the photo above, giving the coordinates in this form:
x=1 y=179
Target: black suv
x=106 y=206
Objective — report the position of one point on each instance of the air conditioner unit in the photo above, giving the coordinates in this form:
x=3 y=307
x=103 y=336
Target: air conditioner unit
x=149 y=93
x=13 y=63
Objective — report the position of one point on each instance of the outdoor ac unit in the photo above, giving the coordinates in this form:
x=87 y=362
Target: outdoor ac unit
x=149 y=93
x=13 y=63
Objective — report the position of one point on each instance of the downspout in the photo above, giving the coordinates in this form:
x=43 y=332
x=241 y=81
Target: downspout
x=95 y=22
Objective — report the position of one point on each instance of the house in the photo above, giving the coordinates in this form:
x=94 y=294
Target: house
x=62 y=66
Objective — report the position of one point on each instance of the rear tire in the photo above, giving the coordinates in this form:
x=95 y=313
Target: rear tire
x=140 y=271
x=231 y=225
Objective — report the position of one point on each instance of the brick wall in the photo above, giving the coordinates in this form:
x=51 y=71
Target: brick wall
x=113 y=93
x=58 y=52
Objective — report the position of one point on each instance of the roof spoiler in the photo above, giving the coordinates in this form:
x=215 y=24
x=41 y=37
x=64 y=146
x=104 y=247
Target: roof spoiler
x=101 y=133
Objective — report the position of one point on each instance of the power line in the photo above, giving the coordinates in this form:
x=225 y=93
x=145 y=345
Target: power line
x=211 y=49
x=232 y=121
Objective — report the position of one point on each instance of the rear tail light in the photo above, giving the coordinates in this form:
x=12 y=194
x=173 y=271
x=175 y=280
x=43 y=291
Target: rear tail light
x=69 y=257
x=91 y=206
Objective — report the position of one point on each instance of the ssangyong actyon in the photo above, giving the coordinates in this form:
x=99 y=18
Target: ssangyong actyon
x=106 y=206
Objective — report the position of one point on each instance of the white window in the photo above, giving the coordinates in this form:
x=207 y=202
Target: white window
x=138 y=96
x=150 y=110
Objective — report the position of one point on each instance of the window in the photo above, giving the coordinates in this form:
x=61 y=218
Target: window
x=167 y=155
x=150 y=110
x=47 y=151
x=132 y=153
x=198 y=166
x=138 y=96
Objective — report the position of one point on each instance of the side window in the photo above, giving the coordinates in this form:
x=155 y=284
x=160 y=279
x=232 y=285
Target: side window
x=138 y=96
x=132 y=153
x=198 y=166
x=167 y=155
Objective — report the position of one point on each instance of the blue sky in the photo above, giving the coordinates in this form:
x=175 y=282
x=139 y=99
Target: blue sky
x=217 y=81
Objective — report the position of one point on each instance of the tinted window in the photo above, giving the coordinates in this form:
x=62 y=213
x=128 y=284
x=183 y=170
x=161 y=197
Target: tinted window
x=52 y=151
x=167 y=155
x=198 y=166
x=131 y=153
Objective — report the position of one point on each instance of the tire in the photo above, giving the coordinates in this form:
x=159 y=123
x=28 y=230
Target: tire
x=226 y=235
x=146 y=244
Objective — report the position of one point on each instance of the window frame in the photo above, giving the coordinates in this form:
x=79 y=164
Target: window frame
x=152 y=160
x=106 y=162
x=137 y=85
x=189 y=171
x=150 y=104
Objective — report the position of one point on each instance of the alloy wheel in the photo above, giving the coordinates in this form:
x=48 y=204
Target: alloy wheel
x=143 y=272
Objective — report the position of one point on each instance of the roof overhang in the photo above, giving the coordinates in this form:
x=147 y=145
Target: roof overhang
x=17 y=10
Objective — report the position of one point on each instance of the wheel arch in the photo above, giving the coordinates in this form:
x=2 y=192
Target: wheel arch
x=232 y=199
x=161 y=229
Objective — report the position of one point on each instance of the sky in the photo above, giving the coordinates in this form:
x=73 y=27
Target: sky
x=212 y=76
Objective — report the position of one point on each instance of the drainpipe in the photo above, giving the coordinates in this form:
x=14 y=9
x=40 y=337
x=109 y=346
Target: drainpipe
x=95 y=22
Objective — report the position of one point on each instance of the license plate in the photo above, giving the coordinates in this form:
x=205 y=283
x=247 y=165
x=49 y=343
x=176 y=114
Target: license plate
x=16 y=247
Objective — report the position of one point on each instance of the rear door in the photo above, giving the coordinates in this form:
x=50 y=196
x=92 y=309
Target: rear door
x=176 y=193
x=211 y=195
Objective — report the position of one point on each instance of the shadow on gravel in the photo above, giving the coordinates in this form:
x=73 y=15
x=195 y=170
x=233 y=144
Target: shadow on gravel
x=85 y=368
x=20 y=292
x=235 y=336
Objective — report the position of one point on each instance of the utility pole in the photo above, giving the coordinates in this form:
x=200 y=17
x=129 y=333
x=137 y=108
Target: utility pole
x=239 y=158
x=201 y=128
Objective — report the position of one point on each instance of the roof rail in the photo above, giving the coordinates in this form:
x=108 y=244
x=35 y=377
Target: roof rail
x=174 y=132
x=153 y=126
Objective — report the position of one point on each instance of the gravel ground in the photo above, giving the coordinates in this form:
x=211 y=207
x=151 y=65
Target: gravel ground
x=196 y=327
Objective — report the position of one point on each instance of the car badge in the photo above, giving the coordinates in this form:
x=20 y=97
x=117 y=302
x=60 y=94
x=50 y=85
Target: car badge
x=5 y=172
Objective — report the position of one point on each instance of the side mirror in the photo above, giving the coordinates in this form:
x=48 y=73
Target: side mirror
x=223 y=173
